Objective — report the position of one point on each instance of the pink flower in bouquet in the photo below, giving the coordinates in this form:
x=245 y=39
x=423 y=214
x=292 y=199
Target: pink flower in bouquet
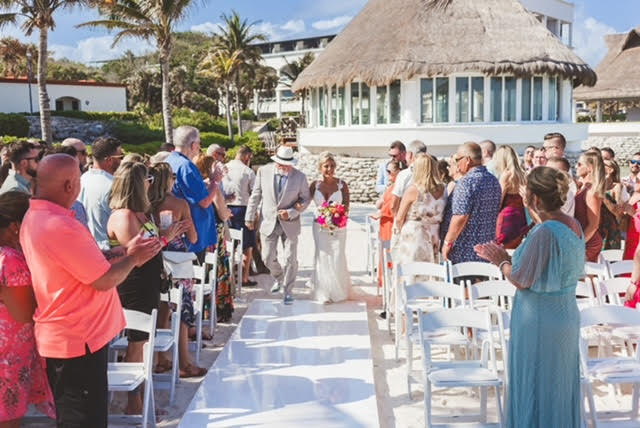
x=325 y=204
x=340 y=209
x=322 y=221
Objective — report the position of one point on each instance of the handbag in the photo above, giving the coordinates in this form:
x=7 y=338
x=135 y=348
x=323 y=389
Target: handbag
x=178 y=264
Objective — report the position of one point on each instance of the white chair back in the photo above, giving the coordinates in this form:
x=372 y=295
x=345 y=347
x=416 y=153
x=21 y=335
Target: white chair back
x=585 y=295
x=611 y=256
x=612 y=288
x=408 y=271
x=600 y=270
x=500 y=293
x=234 y=247
x=623 y=267
x=487 y=270
x=211 y=268
x=437 y=289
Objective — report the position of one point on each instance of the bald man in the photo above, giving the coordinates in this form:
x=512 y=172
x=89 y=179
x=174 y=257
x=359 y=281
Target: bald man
x=81 y=150
x=79 y=310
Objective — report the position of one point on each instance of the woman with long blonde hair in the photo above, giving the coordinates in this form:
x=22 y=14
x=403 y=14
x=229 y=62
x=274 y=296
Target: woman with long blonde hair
x=590 y=171
x=420 y=213
x=512 y=221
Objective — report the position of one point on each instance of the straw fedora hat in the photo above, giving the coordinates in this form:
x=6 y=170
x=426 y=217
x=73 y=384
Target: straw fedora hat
x=284 y=156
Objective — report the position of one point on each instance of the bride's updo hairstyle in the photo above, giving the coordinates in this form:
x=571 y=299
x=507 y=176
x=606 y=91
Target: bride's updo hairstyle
x=324 y=158
x=550 y=186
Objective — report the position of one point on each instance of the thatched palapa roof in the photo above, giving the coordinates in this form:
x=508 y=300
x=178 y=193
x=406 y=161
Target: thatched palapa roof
x=400 y=39
x=619 y=71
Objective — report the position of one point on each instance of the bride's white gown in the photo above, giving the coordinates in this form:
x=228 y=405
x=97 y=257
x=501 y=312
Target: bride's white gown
x=330 y=280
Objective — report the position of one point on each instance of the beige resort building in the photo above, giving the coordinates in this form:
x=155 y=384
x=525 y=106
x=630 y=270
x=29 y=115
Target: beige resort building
x=445 y=72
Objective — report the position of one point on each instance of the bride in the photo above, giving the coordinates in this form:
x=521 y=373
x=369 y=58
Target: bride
x=330 y=279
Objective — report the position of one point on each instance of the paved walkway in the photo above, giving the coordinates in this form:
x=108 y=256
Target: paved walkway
x=291 y=366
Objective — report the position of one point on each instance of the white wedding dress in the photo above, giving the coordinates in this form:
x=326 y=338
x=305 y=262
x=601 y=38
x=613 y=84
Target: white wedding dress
x=330 y=279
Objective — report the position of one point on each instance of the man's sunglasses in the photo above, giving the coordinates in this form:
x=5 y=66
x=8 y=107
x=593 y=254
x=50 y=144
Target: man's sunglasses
x=634 y=162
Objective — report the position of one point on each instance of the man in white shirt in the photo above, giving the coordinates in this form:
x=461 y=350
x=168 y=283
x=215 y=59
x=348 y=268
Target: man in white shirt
x=239 y=182
x=404 y=178
x=398 y=152
x=632 y=181
x=562 y=164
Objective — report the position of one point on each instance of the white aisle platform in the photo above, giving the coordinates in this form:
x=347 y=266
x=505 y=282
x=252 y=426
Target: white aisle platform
x=304 y=365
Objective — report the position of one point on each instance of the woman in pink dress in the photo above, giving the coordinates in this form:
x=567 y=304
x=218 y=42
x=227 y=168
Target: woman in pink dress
x=512 y=221
x=590 y=170
x=23 y=379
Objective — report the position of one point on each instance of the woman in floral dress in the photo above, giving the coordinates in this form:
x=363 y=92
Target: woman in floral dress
x=23 y=379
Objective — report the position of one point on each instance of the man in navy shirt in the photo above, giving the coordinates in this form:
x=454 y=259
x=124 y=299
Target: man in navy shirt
x=190 y=186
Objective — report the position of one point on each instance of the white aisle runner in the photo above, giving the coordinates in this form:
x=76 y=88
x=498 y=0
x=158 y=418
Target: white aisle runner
x=305 y=365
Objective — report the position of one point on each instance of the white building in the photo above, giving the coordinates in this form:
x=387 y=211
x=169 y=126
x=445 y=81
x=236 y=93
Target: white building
x=277 y=55
x=64 y=95
x=468 y=71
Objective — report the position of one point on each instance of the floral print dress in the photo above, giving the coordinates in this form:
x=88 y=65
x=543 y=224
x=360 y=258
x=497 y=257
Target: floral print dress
x=23 y=378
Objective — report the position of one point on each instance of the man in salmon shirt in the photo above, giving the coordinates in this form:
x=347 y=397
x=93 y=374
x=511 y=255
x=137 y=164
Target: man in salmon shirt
x=79 y=311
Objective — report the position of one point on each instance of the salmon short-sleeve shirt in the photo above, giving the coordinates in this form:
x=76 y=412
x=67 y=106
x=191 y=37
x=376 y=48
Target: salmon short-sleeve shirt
x=64 y=260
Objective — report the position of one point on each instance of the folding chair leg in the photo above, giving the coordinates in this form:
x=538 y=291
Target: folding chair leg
x=427 y=402
x=409 y=363
x=213 y=310
x=634 y=401
x=174 y=373
x=499 y=404
x=198 y=337
x=588 y=391
x=483 y=404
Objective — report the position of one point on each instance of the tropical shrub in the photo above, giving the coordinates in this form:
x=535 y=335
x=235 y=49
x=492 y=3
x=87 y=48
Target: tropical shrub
x=14 y=124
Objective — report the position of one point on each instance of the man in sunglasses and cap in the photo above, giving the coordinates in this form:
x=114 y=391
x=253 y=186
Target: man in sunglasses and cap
x=282 y=192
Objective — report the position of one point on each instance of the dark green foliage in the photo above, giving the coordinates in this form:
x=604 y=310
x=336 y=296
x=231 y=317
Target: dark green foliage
x=14 y=124
x=251 y=139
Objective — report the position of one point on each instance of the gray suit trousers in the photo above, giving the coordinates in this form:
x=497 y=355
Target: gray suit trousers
x=286 y=276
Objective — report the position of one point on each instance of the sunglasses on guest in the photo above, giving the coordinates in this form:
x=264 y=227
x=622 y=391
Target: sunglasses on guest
x=634 y=162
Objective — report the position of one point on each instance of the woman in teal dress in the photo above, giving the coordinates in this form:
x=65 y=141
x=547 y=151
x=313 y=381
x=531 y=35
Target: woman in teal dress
x=544 y=367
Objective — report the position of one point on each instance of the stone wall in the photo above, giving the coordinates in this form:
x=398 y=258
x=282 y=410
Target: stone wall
x=623 y=146
x=359 y=173
x=67 y=127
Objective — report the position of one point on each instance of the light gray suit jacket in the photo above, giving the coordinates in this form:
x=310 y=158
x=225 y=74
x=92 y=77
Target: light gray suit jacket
x=295 y=190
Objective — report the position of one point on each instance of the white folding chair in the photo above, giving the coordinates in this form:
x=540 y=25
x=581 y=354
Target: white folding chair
x=234 y=246
x=598 y=270
x=623 y=267
x=387 y=285
x=477 y=269
x=585 y=296
x=406 y=273
x=198 y=312
x=415 y=295
x=373 y=238
x=493 y=292
x=612 y=370
x=611 y=256
x=612 y=289
x=481 y=373
x=168 y=339
x=210 y=288
x=128 y=377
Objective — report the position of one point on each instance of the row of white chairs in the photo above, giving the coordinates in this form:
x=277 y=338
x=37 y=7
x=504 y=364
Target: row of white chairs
x=131 y=376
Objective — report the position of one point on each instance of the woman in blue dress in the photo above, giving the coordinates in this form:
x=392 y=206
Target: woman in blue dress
x=544 y=367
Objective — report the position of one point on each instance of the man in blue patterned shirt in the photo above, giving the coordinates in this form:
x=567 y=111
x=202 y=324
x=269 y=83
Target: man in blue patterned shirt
x=475 y=207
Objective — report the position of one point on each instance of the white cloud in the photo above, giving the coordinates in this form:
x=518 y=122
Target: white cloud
x=207 y=27
x=99 y=49
x=331 y=24
x=295 y=26
x=588 y=39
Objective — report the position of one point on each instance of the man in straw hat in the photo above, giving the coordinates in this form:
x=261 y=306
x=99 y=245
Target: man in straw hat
x=281 y=192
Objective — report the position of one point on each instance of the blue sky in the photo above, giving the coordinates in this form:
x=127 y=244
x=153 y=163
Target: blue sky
x=282 y=19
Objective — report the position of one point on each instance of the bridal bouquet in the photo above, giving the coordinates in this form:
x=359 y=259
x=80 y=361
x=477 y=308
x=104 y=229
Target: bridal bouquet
x=332 y=216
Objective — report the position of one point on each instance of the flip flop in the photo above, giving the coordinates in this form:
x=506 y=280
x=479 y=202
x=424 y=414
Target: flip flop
x=163 y=367
x=193 y=371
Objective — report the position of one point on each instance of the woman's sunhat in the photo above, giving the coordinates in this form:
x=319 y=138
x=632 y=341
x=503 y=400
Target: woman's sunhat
x=284 y=156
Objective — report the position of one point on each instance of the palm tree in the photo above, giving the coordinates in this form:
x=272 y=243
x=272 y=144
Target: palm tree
x=147 y=20
x=292 y=70
x=12 y=54
x=37 y=14
x=221 y=65
x=238 y=35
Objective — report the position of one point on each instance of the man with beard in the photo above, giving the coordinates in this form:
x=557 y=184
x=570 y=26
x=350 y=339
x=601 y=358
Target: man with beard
x=24 y=158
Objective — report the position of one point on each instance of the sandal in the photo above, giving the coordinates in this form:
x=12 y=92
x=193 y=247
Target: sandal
x=193 y=371
x=205 y=336
x=163 y=367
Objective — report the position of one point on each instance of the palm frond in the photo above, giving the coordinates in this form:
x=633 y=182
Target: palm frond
x=7 y=18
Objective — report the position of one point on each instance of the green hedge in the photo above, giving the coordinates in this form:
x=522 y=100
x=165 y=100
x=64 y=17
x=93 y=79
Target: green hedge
x=202 y=120
x=149 y=148
x=134 y=133
x=14 y=124
x=99 y=115
x=251 y=139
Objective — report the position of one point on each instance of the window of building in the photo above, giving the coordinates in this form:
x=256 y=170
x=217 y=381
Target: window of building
x=477 y=99
x=365 y=103
x=381 y=105
x=355 y=104
x=553 y=98
x=394 y=101
x=442 y=99
x=565 y=33
x=462 y=99
x=426 y=100
x=510 y=98
x=322 y=103
x=341 y=110
x=537 y=98
x=334 y=107
x=496 y=99
x=526 y=99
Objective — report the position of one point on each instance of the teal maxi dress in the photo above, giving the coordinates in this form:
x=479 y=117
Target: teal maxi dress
x=544 y=362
